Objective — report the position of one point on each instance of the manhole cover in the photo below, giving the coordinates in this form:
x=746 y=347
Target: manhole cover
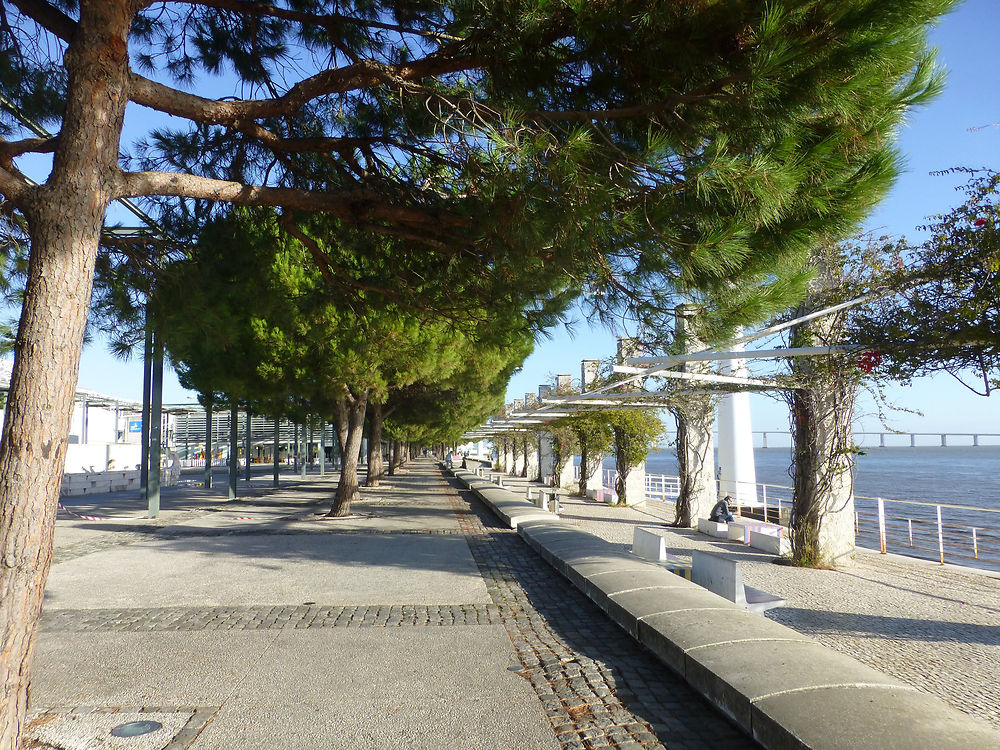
x=135 y=728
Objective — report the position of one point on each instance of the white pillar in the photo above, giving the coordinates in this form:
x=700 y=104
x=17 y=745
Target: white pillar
x=594 y=470
x=531 y=459
x=545 y=458
x=635 y=485
x=737 y=471
x=566 y=479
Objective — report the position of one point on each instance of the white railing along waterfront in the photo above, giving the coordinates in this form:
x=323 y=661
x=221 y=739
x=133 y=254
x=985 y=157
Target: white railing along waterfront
x=937 y=531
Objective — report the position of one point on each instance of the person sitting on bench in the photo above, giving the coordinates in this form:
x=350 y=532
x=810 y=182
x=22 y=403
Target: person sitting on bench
x=720 y=512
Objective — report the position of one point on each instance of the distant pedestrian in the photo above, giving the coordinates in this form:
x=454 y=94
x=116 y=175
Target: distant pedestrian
x=721 y=513
x=464 y=466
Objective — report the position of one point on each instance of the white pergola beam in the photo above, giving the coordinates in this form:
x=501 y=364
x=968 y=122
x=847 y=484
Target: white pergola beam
x=705 y=377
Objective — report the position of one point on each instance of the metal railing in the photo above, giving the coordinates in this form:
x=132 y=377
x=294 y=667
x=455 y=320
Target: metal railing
x=935 y=531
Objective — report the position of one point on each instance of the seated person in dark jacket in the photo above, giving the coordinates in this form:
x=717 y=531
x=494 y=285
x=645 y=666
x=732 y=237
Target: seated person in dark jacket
x=720 y=512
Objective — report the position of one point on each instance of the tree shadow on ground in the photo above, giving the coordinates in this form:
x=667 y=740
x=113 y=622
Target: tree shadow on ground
x=818 y=622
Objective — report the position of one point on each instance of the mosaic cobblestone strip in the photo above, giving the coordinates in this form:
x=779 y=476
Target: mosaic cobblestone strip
x=598 y=687
x=270 y=617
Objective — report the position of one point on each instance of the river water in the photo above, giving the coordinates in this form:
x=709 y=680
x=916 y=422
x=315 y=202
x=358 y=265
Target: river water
x=954 y=475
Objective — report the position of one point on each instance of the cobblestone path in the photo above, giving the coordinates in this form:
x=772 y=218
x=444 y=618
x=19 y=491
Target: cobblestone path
x=599 y=688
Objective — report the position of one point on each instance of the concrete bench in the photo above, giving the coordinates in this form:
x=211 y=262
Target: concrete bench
x=739 y=530
x=775 y=543
x=496 y=477
x=717 y=529
x=649 y=544
x=724 y=577
x=544 y=497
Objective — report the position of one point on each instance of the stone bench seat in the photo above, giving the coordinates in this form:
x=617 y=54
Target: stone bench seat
x=740 y=528
x=724 y=577
x=718 y=529
x=649 y=544
x=546 y=498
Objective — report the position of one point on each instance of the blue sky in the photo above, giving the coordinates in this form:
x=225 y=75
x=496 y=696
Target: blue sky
x=937 y=137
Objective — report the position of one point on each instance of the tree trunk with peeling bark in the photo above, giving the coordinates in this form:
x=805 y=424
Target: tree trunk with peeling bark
x=347 y=489
x=340 y=425
x=65 y=219
x=393 y=457
x=375 y=468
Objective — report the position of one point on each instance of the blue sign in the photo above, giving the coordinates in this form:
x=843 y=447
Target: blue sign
x=135 y=425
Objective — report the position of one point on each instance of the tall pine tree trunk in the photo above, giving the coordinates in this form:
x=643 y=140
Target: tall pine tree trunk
x=355 y=406
x=340 y=425
x=822 y=522
x=65 y=217
x=375 y=469
x=560 y=455
x=622 y=466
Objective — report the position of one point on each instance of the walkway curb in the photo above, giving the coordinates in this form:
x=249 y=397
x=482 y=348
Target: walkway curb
x=782 y=688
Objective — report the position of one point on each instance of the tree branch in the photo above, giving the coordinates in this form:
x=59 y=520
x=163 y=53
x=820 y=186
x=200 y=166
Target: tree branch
x=9 y=150
x=48 y=17
x=361 y=75
x=352 y=206
x=639 y=110
x=14 y=185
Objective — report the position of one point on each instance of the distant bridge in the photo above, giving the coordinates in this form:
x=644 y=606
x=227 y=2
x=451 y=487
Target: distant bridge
x=888 y=439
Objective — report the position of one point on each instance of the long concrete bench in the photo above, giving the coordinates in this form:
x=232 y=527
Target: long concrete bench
x=783 y=688
x=765 y=541
x=724 y=577
x=740 y=528
x=512 y=509
x=717 y=529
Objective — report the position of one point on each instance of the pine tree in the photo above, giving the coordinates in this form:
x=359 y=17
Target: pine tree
x=636 y=147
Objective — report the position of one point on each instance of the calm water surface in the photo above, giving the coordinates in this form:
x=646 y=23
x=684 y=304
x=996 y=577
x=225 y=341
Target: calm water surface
x=954 y=475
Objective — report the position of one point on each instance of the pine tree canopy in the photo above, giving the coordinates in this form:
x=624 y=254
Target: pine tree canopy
x=636 y=149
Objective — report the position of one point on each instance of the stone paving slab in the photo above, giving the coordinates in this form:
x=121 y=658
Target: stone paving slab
x=264 y=569
x=306 y=667
x=428 y=688
x=142 y=669
x=84 y=731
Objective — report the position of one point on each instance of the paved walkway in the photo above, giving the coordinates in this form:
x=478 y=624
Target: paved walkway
x=935 y=627
x=418 y=623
